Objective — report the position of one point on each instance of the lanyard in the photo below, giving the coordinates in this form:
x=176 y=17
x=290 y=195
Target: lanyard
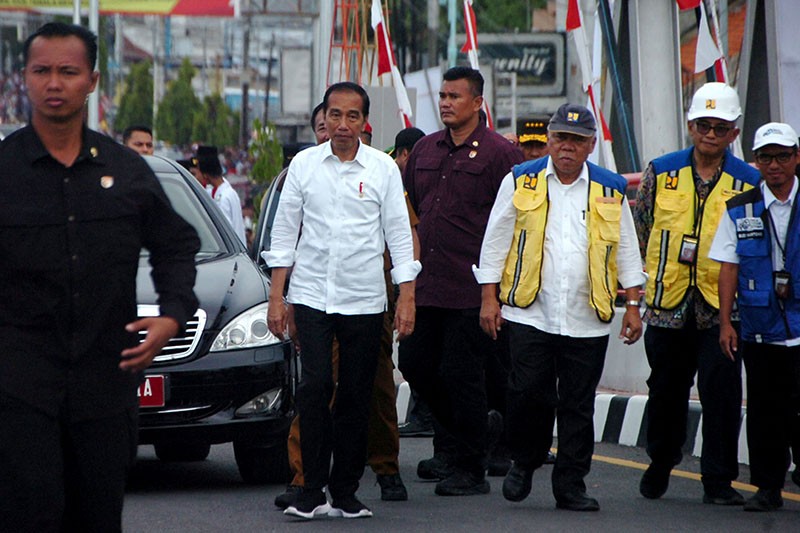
x=777 y=238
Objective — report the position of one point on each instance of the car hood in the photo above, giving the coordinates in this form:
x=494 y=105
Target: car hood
x=228 y=285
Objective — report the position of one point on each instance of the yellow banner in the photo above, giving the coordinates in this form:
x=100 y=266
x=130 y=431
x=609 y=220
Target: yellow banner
x=116 y=6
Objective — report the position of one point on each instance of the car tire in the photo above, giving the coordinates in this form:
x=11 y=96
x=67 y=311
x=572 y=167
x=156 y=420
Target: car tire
x=182 y=451
x=262 y=464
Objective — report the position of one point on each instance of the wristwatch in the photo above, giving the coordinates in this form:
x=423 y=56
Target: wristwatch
x=633 y=303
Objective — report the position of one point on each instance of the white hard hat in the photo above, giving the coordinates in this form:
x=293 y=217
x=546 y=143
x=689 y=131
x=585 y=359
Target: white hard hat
x=715 y=100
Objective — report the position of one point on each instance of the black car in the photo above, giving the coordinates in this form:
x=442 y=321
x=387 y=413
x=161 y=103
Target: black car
x=228 y=379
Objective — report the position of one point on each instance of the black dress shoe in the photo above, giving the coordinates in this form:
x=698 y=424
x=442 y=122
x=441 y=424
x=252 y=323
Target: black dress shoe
x=415 y=428
x=655 y=481
x=726 y=495
x=288 y=498
x=764 y=500
x=392 y=488
x=436 y=468
x=550 y=459
x=577 y=501
x=517 y=484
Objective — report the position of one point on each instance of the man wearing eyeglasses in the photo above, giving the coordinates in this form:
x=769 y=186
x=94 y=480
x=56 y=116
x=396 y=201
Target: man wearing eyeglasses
x=679 y=204
x=758 y=245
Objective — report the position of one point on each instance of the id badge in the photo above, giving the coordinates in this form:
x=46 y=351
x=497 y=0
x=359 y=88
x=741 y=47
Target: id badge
x=781 y=281
x=688 y=253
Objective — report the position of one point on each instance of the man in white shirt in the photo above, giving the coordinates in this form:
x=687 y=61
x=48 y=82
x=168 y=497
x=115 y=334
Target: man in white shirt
x=758 y=244
x=349 y=199
x=227 y=199
x=559 y=237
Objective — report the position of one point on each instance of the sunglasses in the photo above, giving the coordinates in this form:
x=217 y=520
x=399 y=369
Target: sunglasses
x=720 y=130
x=781 y=157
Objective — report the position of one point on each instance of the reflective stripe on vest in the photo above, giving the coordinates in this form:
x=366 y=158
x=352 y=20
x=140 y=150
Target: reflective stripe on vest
x=521 y=279
x=677 y=211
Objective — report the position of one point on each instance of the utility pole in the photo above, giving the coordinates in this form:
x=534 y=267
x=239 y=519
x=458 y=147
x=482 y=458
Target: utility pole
x=433 y=32
x=244 y=129
x=269 y=78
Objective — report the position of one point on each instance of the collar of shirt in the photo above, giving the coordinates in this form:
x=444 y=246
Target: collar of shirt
x=35 y=150
x=701 y=186
x=360 y=158
x=473 y=141
x=769 y=198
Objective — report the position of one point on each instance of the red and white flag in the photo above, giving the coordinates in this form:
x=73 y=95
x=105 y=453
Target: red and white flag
x=707 y=53
x=575 y=28
x=471 y=49
x=387 y=63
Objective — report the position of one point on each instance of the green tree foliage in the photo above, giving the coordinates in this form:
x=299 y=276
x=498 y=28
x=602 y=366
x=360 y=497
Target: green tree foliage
x=174 y=120
x=136 y=105
x=267 y=154
x=215 y=123
x=498 y=16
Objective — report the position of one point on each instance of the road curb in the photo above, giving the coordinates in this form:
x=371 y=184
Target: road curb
x=622 y=419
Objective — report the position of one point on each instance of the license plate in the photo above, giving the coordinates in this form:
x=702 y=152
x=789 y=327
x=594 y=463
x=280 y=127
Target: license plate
x=151 y=392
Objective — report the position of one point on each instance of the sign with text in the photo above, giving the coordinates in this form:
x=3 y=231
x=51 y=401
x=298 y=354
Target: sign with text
x=537 y=59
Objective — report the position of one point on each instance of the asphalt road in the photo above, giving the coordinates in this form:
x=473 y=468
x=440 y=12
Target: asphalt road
x=210 y=497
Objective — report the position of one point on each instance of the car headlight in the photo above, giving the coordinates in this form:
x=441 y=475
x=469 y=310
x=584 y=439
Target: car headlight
x=248 y=330
x=266 y=403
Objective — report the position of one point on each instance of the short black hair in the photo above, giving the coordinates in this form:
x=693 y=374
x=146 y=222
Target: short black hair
x=130 y=129
x=314 y=114
x=60 y=29
x=473 y=77
x=348 y=86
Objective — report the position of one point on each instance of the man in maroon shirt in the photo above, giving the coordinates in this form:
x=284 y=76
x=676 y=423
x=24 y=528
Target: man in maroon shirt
x=452 y=177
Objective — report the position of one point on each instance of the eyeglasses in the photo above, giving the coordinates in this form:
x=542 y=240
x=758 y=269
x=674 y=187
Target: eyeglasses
x=720 y=130
x=781 y=157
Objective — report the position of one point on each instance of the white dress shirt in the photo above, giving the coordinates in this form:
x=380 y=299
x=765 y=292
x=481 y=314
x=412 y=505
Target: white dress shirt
x=230 y=204
x=349 y=211
x=723 y=248
x=562 y=306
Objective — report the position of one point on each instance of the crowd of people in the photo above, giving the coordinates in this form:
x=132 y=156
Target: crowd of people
x=497 y=265
x=523 y=245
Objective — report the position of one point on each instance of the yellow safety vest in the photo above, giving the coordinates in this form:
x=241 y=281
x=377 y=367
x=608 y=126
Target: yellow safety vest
x=521 y=279
x=678 y=211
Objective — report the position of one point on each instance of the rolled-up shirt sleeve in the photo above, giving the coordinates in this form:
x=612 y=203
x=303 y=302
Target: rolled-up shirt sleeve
x=397 y=229
x=498 y=236
x=723 y=247
x=286 y=228
x=629 y=260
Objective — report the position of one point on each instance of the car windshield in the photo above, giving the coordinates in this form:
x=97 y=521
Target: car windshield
x=184 y=200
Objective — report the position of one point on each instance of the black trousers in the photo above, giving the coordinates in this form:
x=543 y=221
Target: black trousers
x=61 y=476
x=444 y=361
x=340 y=430
x=553 y=375
x=675 y=356
x=773 y=380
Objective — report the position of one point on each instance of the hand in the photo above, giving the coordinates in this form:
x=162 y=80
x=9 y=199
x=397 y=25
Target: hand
x=631 y=326
x=728 y=340
x=277 y=317
x=291 y=326
x=405 y=315
x=160 y=330
x=491 y=319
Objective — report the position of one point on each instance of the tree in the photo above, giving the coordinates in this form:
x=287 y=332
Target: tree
x=174 y=119
x=136 y=105
x=215 y=123
x=267 y=154
x=499 y=16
